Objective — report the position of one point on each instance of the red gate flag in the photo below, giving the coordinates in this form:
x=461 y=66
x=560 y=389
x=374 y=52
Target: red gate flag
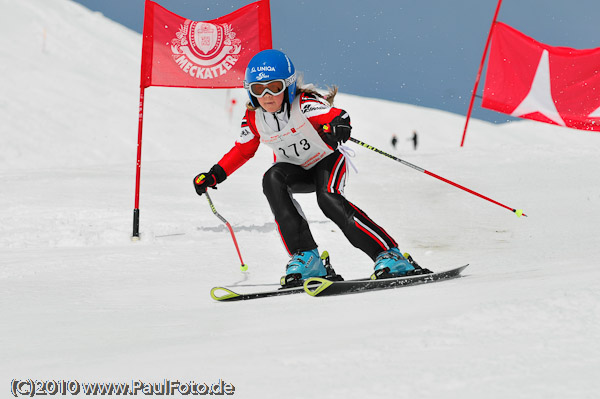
x=178 y=52
x=529 y=79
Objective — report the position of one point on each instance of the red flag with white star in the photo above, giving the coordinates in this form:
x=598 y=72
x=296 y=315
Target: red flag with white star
x=532 y=80
x=178 y=52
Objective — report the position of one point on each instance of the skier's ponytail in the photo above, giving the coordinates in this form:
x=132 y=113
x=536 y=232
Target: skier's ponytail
x=311 y=89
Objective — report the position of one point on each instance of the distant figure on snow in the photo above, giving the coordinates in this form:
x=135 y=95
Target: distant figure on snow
x=394 y=141
x=414 y=139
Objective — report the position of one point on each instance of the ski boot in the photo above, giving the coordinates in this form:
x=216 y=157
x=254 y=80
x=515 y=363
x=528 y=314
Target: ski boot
x=304 y=265
x=391 y=263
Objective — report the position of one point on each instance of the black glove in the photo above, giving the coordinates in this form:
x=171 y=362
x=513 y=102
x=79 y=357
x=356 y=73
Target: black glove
x=338 y=130
x=214 y=176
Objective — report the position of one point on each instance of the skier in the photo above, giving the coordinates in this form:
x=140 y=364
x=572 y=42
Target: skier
x=305 y=132
x=414 y=139
x=394 y=141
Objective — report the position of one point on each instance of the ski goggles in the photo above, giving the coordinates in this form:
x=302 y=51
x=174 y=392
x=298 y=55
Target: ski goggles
x=273 y=87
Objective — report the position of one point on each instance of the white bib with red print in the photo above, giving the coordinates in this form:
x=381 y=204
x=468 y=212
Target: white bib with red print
x=297 y=142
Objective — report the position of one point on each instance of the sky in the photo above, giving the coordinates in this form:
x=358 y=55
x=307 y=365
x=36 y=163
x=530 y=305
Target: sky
x=413 y=51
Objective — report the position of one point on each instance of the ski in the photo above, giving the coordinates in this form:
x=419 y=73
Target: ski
x=226 y=294
x=334 y=284
x=316 y=286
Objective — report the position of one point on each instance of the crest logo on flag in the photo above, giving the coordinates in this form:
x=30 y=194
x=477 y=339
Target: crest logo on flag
x=205 y=50
x=207 y=38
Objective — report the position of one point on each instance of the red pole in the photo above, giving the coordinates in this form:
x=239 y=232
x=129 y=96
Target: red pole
x=243 y=266
x=138 y=165
x=518 y=212
x=487 y=44
x=145 y=81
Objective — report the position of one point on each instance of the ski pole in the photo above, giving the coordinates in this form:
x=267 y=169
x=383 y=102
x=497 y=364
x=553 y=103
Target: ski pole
x=518 y=212
x=243 y=266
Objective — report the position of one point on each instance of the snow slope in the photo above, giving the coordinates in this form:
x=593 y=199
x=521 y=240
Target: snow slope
x=80 y=301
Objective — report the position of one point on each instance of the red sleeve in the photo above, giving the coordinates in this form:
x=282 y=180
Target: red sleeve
x=245 y=147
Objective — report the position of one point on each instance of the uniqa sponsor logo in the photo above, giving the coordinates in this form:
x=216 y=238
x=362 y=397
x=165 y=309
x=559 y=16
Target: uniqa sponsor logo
x=205 y=50
x=267 y=68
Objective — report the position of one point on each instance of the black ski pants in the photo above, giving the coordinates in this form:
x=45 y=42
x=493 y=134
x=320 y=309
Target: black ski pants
x=326 y=179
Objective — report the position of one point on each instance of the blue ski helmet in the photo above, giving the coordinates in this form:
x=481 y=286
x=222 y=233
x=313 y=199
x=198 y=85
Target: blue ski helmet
x=270 y=65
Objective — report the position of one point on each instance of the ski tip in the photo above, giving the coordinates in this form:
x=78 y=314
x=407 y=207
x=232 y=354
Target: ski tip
x=315 y=285
x=228 y=294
